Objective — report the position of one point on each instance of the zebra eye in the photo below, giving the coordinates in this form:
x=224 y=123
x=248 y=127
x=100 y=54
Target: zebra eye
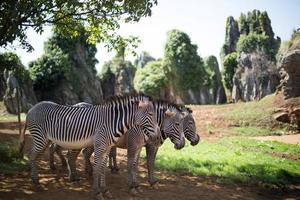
x=177 y=124
x=150 y=113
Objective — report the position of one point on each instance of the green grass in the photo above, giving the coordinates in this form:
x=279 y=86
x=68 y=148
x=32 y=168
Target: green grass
x=254 y=131
x=262 y=146
x=237 y=160
x=252 y=113
x=10 y=160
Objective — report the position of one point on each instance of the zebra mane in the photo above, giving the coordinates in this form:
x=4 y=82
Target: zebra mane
x=117 y=98
x=177 y=106
x=189 y=110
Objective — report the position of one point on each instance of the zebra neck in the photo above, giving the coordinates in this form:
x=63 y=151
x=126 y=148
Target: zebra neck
x=163 y=135
x=121 y=118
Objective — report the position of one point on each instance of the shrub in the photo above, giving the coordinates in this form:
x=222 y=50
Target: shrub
x=150 y=79
x=230 y=64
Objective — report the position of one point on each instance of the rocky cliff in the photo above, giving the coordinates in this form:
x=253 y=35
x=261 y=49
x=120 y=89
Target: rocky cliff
x=117 y=77
x=289 y=66
x=291 y=74
x=66 y=72
x=255 y=77
x=254 y=72
x=15 y=84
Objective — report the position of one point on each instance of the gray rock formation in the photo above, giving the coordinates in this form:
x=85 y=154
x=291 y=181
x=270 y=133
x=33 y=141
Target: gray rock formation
x=117 y=77
x=290 y=72
x=18 y=90
x=255 y=77
x=84 y=86
x=231 y=36
x=124 y=81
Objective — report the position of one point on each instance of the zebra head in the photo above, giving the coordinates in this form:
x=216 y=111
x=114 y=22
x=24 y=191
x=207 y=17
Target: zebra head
x=189 y=127
x=145 y=117
x=172 y=127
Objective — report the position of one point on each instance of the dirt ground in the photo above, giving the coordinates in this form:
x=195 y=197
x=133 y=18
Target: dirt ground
x=171 y=186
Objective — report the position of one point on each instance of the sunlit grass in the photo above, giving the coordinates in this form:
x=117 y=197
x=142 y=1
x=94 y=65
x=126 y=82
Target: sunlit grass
x=232 y=161
x=252 y=113
x=254 y=131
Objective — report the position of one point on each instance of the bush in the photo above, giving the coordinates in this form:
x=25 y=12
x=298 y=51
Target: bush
x=150 y=79
x=11 y=161
x=185 y=67
x=8 y=154
x=230 y=64
x=253 y=42
x=47 y=71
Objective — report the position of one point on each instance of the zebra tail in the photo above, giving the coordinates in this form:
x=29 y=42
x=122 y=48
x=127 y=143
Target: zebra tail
x=22 y=140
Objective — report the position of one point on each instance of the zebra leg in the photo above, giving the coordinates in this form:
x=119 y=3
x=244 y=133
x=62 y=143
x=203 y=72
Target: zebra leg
x=113 y=160
x=101 y=150
x=38 y=147
x=54 y=148
x=58 y=151
x=72 y=156
x=51 y=156
x=132 y=164
x=135 y=144
x=151 y=151
x=87 y=152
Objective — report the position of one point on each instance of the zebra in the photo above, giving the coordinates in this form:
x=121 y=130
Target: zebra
x=170 y=122
x=171 y=125
x=189 y=127
x=72 y=154
x=190 y=134
x=78 y=127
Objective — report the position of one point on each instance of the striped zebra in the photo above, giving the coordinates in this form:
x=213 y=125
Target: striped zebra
x=170 y=122
x=72 y=154
x=78 y=127
x=189 y=129
x=171 y=126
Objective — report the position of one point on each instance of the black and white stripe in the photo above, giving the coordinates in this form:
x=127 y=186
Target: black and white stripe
x=78 y=127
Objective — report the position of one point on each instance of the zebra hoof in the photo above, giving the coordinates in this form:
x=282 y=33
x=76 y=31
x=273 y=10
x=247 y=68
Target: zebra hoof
x=99 y=197
x=114 y=170
x=154 y=185
x=37 y=188
x=74 y=179
x=133 y=191
x=139 y=189
x=52 y=167
x=108 y=194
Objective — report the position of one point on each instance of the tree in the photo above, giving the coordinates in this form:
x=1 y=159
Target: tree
x=150 y=79
x=230 y=64
x=59 y=60
x=182 y=63
x=11 y=62
x=143 y=59
x=212 y=69
x=100 y=18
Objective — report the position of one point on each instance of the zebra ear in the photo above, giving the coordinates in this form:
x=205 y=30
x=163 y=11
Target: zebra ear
x=184 y=114
x=143 y=104
x=170 y=113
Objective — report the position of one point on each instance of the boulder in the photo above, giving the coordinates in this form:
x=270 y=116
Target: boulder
x=290 y=74
x=21 y=88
